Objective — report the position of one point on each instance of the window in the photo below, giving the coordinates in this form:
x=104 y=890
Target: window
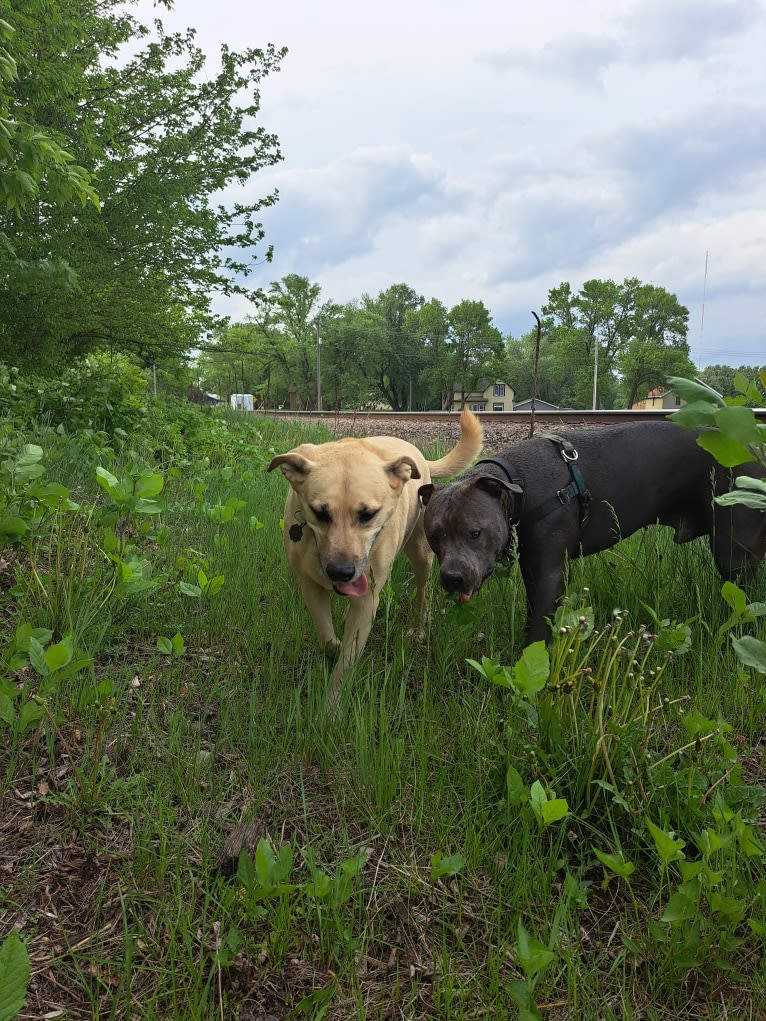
x=476 y=407
x=498 y=407
x=498 y=391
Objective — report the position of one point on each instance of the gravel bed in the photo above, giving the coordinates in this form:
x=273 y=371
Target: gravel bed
x=497 y=436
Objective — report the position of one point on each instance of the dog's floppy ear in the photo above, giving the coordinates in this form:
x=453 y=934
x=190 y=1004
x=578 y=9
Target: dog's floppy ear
x=402 y=469
x=426 y=492
x=496 y=487
x=295 y=467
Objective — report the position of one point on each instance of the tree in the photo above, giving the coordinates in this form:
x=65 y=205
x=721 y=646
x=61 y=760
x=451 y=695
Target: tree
x=33 y=167
x=429 y=329
x=294 y=302
x=721 y=377
x=163 y=134
x=476 y=344
x=657 y=346
x=634 y=331
x=377 y=335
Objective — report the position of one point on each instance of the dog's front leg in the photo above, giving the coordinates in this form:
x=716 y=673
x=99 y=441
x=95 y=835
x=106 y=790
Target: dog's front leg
x=421 y=557
x=544 y=583
x=359 y=618
x=317 y=599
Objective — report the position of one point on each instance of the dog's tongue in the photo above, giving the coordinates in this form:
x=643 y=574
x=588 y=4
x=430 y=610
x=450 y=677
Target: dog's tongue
x=463 y=597
x=358 y=587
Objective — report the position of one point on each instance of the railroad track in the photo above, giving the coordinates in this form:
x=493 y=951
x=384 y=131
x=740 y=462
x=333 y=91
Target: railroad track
x=572 y=419
x=441 y=427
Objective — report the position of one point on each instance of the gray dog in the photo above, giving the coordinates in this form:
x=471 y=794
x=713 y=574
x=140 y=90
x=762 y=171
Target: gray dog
x=576 y=495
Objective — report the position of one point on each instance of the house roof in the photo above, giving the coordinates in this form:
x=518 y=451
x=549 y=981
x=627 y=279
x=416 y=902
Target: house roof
x=540 y=404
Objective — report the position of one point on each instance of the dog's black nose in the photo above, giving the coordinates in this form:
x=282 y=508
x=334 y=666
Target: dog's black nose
x=451 y=580
x=340 y=570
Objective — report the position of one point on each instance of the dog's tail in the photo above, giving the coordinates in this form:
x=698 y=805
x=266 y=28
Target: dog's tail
x=467 y=448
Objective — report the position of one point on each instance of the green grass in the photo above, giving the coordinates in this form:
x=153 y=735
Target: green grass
x=115 y=807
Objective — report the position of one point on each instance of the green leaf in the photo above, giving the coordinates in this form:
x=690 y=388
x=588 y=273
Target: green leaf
x=738 y=425
x=521 y=995
x=214 y=585
x=531 y=671
x=732 y=908
x=726 y=451
x=264 y=862
x=319 y=998
x=515 y=789
x=492 y=671
x=147 y=507
x=15 y=973
x=37 y=657
x=165 y=646
x=245 y=870
x=106 y=480
x=448 y=865
x=532 y=955
x=691 y=869
x=31 y=714
x=690 y=391
x=190 y=590
x=554 y=810
x=734 y=596
x=750 y=652
x=149 y=485
x=57 y=656
x=694 y=415
x=30 y=454
x=681 y=906
x=537 y=796
x=616 y=863
x=669 y=847
x=12 y=528
x=7 y=710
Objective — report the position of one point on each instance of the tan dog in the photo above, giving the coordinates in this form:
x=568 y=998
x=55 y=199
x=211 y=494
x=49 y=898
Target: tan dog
x=348 y=513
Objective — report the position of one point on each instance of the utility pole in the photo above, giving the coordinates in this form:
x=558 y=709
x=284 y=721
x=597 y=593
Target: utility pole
x=319 y=368
x=595 y=374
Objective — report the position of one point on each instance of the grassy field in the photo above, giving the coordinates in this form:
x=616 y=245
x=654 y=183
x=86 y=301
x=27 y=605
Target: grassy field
x=570 y=834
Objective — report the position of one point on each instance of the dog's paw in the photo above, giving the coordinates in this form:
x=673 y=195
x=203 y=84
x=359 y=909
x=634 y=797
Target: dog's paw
x=331 y=648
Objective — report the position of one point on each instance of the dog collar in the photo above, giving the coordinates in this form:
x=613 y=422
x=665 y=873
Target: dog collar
x=296 y=531
x=517 y=483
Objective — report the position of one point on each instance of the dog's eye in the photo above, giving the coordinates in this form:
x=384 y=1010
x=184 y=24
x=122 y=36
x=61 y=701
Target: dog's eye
x=366 y=515
x=474 y=533
x=322 y=515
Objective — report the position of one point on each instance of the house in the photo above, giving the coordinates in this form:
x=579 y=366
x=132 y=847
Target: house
x=197 y=396
x=241 y=402
x=540 y=405
x=488 y=396
x=663 y=398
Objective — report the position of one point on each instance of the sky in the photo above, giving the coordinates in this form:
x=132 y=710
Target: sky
x=493 y=150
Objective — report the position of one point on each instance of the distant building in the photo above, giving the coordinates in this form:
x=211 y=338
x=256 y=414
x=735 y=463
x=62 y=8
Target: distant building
x=488 y=396
x=663 y=398
x=197 y=396
x=241 y=402
x=540 y=405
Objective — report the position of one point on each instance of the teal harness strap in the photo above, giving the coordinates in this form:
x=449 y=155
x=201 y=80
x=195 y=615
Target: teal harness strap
x=576 y=489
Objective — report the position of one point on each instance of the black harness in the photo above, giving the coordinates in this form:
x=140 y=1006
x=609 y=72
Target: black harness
x=575 y=489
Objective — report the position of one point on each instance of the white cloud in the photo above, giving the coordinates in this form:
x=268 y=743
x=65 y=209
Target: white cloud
x=492 y=151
